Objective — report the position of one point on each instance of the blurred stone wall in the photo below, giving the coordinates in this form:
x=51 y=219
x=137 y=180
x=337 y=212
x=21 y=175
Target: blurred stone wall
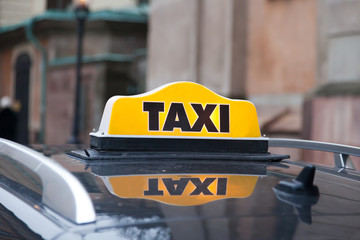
x=332 y=109
x=262 y=50
x=12 y=12
x=198 y=41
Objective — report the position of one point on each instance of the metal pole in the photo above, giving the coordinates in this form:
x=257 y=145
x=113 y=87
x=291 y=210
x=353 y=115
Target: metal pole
x=81 y=14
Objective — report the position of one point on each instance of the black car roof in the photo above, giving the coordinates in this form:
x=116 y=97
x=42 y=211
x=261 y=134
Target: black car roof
x=263 y=209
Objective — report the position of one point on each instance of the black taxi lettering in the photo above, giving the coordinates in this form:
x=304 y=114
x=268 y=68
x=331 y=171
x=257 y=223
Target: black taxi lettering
x=177 y=117
x=153 y=108
x=177 y=187
x=204 y=117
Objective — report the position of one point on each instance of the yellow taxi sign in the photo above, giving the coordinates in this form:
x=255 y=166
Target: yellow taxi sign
x=180 y=109
x=182 y=189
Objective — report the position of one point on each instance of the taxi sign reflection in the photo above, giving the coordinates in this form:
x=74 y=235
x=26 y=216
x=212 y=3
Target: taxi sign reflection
x=182 y=189
x=180 y=182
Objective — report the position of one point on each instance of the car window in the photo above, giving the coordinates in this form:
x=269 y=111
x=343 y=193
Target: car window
x=19 y=178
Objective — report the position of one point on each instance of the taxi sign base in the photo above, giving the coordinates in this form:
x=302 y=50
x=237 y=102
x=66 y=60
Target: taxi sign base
x=96 y=155
x=107 y=148
x=258 y=146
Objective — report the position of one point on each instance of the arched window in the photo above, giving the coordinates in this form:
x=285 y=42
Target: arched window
x=22 y=78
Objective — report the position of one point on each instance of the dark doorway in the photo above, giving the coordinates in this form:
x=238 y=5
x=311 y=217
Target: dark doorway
x=22 y=70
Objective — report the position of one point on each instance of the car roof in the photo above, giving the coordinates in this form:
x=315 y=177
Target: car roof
x=248 y=215
x=262 y=209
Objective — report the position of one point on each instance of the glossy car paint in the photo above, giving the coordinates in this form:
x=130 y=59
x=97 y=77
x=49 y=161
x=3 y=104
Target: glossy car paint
x=262 y=215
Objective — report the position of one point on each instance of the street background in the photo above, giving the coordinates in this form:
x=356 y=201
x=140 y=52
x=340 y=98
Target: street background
x=298 y=61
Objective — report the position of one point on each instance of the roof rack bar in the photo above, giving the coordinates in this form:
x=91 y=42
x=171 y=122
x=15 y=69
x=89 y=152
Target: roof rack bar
x=62 y=192
x=341 y=152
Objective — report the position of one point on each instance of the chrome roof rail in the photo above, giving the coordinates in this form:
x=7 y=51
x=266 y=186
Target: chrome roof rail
x=62 y=192
x=341 y=152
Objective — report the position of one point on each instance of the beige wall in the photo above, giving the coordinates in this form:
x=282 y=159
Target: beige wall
x=110 y=4
x=338 y=41
x=12 y=12
x=38 y=6
x=172 y=43
x=261 y=49
x=281 y=50
x=332 y=113
x=196 y=41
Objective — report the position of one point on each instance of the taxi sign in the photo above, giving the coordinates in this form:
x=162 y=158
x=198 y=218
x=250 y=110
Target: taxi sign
x=181 y=109
x=174 y=114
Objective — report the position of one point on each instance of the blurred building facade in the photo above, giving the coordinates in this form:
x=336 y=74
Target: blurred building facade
x=279 y=54
x=15 y=11
x=262 y=50
x=332 y=109
x=44 y=45
x=297 y=60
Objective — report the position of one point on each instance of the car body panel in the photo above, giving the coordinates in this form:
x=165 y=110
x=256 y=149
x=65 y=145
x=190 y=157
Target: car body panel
x=261 y=215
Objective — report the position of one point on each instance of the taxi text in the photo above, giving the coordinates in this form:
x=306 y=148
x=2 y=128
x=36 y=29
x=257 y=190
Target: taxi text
x=177 y=117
